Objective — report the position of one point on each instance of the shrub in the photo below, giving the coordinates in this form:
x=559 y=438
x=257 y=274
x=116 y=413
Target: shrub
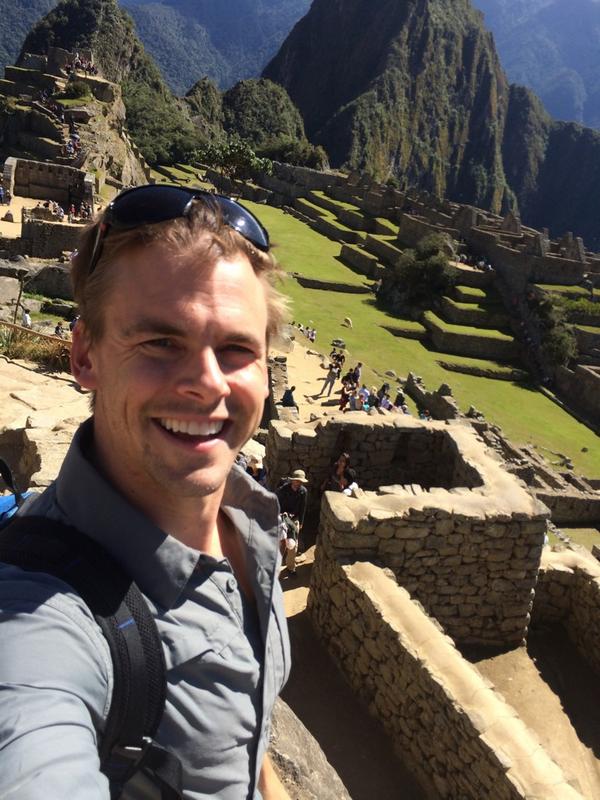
x=559 y=345
x=75 y=90
x=50 y=354
x=420 y=277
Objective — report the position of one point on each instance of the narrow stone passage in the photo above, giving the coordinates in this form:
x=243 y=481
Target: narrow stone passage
x=353 y=742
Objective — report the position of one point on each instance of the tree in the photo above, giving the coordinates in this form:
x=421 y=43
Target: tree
x=420 y=276
x=234 y=158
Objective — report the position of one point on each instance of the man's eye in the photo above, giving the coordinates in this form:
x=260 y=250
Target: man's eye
x=239 y=348
x=161 y=344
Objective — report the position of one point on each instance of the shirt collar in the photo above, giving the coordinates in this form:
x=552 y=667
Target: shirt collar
x=159 y=564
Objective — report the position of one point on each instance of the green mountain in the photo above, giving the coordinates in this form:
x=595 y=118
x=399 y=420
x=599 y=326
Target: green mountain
x=413 y=90
x=227 y=41
x=552 y=46
x=158 y=122
x=16 y=19
x=189 y=39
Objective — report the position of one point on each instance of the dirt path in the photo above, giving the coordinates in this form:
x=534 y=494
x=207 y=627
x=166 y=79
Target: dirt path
x=353 y=742
x=26 y=390
x=307 y=375
x=557 y=696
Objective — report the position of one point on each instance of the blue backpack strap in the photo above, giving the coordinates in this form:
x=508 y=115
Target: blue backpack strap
x=126 y=746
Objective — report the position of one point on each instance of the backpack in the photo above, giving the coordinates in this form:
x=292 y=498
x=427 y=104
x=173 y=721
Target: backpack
x=38 y=544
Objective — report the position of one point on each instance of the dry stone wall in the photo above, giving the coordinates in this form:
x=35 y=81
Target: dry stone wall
x=44 y=181
x=460 y=737
x=568 y=592
x=581 y=387
x=460 y=534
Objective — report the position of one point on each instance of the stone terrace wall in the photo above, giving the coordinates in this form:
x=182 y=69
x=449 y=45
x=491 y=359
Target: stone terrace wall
x=461 y=534
x=568 y=592
x=475 y=571
x=582 y=388
x=384 y=449
x=459 y=737
x=44 y=181
x=48 y=239
x=440 y=403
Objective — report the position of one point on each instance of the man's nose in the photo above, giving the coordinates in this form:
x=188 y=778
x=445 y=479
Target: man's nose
x=203 y=376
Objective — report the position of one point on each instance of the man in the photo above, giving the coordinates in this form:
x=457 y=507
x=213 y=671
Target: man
x=176 y=301
x=333 y=373
x=292 y=497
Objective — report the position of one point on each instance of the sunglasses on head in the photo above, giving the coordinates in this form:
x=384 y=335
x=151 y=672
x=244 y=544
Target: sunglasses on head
x=149 y=205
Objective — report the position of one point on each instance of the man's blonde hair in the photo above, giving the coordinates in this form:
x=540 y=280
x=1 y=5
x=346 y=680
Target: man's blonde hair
x=203 y=232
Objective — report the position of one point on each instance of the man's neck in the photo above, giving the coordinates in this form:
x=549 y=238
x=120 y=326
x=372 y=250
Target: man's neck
x=191 y=520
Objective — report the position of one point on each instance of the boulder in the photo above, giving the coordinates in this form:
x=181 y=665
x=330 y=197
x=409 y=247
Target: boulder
x=54 y=281
x=299 y=760
x=9 y=291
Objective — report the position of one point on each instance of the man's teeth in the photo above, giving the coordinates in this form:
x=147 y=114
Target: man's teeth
x=193 y=428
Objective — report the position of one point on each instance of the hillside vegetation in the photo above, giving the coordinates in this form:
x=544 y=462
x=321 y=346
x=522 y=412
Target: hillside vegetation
x=167 y=129
x=415 y=92
x=226 y=41
x=160 y=126
x=551 y=46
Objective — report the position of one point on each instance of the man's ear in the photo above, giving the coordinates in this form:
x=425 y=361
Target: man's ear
x=82 y=361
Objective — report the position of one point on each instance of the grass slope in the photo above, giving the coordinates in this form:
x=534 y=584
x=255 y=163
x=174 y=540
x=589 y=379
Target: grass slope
x=525 y=415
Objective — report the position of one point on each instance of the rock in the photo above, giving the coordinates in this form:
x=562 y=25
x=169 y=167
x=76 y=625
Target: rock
x=252 y=449
x=390 y=373
x=473 y=413
x=9 y=291
x=299 y=760
x=282 y=342
x=52 y=281
x=347 y=322
x=445 y=390
x=64 y=310
x=8 y=217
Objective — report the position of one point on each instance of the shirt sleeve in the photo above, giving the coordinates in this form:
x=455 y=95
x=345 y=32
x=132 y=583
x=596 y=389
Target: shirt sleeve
x=55 y=689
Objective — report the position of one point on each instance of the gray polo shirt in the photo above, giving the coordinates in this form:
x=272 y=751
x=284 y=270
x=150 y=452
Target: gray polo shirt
x=227 y=658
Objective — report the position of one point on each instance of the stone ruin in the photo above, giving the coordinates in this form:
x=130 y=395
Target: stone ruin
x=441 y=548
x=459 y=533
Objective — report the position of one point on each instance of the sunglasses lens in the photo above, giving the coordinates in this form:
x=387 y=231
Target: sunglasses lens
x=245 y=223
x=147 y=205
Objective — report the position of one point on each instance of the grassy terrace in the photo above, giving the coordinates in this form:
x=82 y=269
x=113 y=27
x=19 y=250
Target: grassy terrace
x=470 y=294
x=331 y=201
x=464 y=330
x=574 y=291
x=405 y=325
x=494 y=367
x=525 y=415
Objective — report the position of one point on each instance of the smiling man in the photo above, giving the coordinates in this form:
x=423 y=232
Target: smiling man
x=176 y=296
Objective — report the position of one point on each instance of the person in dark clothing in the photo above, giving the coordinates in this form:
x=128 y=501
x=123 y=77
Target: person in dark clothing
x=288 y=400
x=292 y=496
